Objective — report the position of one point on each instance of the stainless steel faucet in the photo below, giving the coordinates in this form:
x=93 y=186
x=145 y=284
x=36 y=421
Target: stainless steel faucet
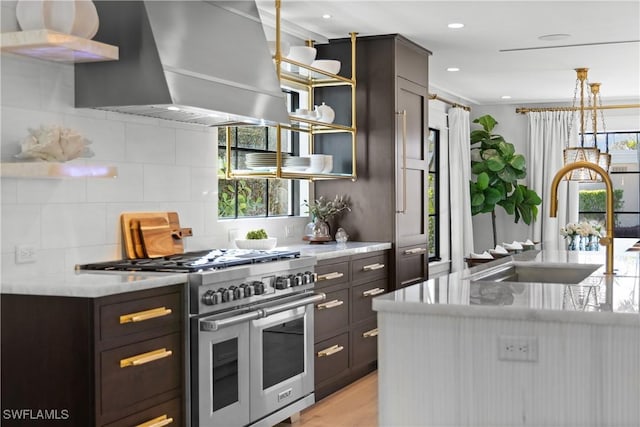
x=607 y=240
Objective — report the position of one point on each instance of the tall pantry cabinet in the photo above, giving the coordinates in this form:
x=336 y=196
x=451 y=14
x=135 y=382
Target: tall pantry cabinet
x=389 y=197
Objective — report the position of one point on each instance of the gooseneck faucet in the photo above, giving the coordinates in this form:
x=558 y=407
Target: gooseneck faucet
x=607 y=240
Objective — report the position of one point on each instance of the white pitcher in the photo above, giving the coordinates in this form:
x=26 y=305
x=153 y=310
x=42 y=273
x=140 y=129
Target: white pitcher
x=326 y=113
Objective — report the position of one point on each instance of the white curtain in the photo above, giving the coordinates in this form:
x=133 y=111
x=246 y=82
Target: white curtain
x=548 y=131
x=459 y=176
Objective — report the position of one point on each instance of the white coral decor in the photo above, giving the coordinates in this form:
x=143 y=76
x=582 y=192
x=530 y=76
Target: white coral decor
x=54 y=144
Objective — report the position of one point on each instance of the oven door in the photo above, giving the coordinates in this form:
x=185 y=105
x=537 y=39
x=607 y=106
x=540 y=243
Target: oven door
x=282 y=355
x=220 y=370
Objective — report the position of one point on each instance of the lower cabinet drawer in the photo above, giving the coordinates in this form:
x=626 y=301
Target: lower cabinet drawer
x=166 y=414
x=361 y=297
x=331 y=357
x=364 y=343
x=133 y=373
x=411 y=265
x=332 y=274
x=332 y=314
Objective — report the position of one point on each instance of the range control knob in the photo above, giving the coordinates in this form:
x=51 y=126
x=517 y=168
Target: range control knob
x=309 y=277
x=237 y=292
x=258 y=287
x=298 y=280
x=211 y=298
x=247 y=289
x=283 y=282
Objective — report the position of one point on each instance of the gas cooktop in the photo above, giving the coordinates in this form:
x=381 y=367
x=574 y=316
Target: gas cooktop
x=193 y=262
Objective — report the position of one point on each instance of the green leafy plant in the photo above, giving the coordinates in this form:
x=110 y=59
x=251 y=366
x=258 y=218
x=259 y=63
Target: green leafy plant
x=497 y=169
x=257 y=234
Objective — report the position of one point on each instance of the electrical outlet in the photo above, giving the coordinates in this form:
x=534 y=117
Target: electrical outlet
x=25 y=254
x=290 y=230
x=233 y=234
x=519 y=349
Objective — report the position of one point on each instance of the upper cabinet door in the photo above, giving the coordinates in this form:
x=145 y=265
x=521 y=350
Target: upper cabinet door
x=412 y=165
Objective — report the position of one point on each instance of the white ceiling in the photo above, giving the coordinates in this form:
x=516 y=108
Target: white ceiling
x=542 y=75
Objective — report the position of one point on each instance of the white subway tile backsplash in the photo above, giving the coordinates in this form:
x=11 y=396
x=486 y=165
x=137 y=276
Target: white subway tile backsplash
x=150 y=144
x=44 y=191
x=196 y=148
x=106 y=138
x=20 y=225
x=126 y=187
x=164 y=183
x=9 y=190
x=16 y=123
x=204 y=184
x=73 y=225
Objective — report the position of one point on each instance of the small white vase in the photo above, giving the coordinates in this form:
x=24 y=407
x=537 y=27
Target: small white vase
x=327 y=115
x=76 y=17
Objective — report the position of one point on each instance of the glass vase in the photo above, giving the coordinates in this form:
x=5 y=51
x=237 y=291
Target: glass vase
x=594 y=243
x=572 y=243
x=581 y=242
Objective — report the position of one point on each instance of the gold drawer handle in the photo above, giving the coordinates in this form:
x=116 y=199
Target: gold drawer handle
x=331 y=350
x=143 y=358
x=330 y=304
x=162 y=420
x=329 y=276
x=371 y=267
x=373 y=292
x=415 y=251
x=371 y=333
x=145 y=315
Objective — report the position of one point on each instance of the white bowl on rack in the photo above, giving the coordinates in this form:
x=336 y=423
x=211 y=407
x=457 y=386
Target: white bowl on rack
x=331 y=66
x=302 y=54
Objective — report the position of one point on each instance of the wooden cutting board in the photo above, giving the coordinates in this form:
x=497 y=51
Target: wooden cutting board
x=132 y=240
x=156 y=237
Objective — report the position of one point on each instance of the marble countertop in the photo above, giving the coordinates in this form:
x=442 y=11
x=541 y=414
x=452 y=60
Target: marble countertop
x=335 y=250
x=597 y=299
x=94 y=284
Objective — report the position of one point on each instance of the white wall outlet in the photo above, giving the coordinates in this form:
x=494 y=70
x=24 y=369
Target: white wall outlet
x=519 y=349
x=290 y=230
x=26 y=254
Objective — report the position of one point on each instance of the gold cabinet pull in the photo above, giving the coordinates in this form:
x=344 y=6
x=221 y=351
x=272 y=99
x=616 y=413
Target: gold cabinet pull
x=403 y=113
x=331 y=350
x=329 y=276
x=371 y=333
x=371 y=267
x=145 y=315
x=372 y=292
x=160 y=421
x=415 y=251
x=330 y=304
x=143 y=358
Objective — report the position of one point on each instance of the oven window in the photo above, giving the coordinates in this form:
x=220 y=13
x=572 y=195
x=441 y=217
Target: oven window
x=282 y=352
x=225 y=373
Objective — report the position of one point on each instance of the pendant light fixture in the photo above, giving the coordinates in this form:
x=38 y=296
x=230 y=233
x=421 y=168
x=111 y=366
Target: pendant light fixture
x=582 y=153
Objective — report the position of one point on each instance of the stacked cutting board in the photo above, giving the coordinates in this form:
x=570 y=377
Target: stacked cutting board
x=152 y=234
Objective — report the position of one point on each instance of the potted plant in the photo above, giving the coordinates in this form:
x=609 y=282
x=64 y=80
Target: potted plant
x=322 y=210
x=497 y=169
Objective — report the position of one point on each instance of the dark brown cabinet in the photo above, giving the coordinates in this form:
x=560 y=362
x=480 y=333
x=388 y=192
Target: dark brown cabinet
x=345 y=324
x=116 y=360
x=389 y=198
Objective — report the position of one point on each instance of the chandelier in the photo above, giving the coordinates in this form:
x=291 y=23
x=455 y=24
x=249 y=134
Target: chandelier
x=590 y=91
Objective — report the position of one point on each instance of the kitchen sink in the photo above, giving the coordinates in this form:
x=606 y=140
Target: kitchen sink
x=527 y=272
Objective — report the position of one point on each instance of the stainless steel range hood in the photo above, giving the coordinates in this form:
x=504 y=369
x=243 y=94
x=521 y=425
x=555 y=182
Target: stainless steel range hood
x=202 y=62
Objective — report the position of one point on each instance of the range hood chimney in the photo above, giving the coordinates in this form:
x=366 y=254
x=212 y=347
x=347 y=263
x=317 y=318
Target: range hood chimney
x=201 y=62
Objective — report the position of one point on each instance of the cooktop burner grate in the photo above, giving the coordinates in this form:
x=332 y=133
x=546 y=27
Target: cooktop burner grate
x=192 y=262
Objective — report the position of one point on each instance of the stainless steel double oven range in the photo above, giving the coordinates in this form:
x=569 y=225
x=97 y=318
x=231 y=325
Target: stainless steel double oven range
x=251 y=333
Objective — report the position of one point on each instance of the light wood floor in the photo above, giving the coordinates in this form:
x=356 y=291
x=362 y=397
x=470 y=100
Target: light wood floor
x=353 y=406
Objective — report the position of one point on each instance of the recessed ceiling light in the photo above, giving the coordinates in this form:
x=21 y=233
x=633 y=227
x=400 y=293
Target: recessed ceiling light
x=506 y=97
x=453 y=69
x=552 y=37
x=326 y=16
x=455 y=25
x=173 y=108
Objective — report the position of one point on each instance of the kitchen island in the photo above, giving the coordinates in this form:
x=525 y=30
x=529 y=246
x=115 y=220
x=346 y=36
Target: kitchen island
x=458 y=352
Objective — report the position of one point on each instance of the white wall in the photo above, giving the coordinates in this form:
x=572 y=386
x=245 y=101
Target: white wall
x=161 y=165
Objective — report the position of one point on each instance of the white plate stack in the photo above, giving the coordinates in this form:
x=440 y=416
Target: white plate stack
x=263 y=161
x=296 y=164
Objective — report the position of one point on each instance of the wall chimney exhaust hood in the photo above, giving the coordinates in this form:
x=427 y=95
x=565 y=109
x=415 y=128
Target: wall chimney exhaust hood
x=200 y=62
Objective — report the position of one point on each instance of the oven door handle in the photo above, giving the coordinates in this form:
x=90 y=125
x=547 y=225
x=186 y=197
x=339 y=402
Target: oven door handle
x=214 y=325
x=268 y=311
